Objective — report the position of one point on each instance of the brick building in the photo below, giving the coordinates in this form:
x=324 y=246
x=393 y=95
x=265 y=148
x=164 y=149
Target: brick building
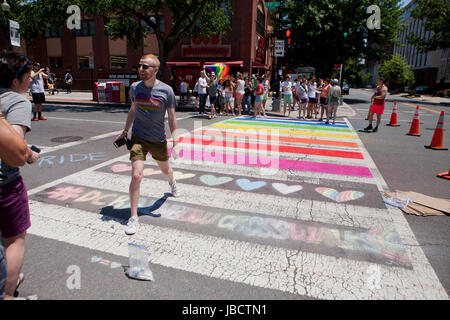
x=245 y=47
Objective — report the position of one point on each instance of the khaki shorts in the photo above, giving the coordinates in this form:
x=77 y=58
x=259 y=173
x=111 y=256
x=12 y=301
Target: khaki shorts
x=140 y=148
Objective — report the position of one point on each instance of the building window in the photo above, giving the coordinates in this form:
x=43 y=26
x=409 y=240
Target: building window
x=83 y=62
x=118 y=62
x=152 y=19
x=54 y=32
x=55 y=62
x=87 y=29
x=260 y=23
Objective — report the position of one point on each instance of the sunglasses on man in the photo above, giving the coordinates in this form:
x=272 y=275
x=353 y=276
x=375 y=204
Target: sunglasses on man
x=145 y=66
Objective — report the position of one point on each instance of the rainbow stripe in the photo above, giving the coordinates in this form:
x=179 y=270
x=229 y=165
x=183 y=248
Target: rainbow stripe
x=221 y=70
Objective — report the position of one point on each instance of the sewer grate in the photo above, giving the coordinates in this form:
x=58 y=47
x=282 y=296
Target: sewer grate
x=67 y=139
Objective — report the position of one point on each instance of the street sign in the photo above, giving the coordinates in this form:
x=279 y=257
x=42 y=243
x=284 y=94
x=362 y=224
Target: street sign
x=337 y=66
x=279 y=48
x=272 y=5
x=14 y=33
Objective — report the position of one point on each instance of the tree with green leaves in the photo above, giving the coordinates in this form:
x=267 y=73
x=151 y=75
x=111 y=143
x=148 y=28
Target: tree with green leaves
x=436 y=15
x=326 y=32
x=397 y=72
x=134 y=19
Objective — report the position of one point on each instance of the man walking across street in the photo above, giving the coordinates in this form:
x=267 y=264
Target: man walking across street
x=150 y=99
x=377 y=104
x=37 y=90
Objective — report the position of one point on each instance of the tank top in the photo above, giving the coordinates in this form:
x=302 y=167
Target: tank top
x=378 y=102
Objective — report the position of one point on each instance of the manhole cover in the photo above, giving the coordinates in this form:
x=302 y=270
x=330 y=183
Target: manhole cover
x=67 y=139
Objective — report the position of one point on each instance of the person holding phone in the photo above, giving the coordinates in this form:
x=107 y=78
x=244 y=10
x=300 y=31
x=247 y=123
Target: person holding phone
x=15 y=78
x=150 y=100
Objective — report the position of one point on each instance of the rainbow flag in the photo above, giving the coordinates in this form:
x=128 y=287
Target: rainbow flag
x=221 y=70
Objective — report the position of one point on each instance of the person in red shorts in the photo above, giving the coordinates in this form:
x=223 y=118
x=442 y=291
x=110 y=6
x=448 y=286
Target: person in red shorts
x=377 y=104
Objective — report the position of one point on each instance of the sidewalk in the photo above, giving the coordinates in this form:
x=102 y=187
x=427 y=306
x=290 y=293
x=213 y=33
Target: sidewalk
x=79 y=98
x=424 y=99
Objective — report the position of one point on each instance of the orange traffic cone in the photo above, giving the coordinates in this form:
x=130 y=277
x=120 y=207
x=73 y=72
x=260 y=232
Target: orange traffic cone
x=393 y=122
x=444 y=175
x=437 y=143
x=415 y=130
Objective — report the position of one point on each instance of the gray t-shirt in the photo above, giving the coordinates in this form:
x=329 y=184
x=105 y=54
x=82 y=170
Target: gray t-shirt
x=150 y=108
x=17 y=110
x=37 y=84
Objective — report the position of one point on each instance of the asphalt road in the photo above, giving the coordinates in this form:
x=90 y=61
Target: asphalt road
x=408 y=166
x=402 y=160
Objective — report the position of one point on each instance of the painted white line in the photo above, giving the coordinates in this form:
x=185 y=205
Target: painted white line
x=76 y=143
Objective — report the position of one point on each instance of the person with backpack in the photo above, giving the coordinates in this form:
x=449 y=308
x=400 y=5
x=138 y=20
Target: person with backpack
x=333 y=100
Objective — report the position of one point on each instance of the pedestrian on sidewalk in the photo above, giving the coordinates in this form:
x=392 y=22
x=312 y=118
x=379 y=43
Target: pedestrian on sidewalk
x=266 y=84
x=212 y=93
x=240 y=91
x=302 y=92
x=259 y=92
x=312 y=104
x=68 y=80
x=184 y=89
x=287 y=95
x=377 y=104
x=150 y=100
x=195 y=94
x=202 y=93
x=15 y=71
x=227 y=92
x=324 y=89
x=333 y=101
x=37 y=90
x=247 y=100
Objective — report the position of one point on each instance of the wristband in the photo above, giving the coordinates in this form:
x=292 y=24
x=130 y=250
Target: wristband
x=125 y=131
x=30 y=153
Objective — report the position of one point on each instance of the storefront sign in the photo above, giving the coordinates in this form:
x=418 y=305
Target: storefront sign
x=207 y=47
x=260 y=54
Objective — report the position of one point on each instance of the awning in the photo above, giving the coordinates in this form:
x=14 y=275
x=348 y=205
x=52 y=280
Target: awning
x=257 y=65
x=239 y=63
x=183 y=63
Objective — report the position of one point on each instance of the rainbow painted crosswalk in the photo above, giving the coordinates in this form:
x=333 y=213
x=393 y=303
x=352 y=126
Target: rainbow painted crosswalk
x=268 y=202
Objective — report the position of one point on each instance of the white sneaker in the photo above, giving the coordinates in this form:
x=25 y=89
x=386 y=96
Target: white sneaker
x=174 y=189
x=132 y=226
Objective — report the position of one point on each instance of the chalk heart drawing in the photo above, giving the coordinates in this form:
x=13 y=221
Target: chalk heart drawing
x=120 y=167
x=211 y=180
x=340 y=196
x=150 y=171
x=285 y=189
x=180 y=175
x=247 y=185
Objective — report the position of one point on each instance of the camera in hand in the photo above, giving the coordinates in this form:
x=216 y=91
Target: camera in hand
x=120 y=142
x=35 y=149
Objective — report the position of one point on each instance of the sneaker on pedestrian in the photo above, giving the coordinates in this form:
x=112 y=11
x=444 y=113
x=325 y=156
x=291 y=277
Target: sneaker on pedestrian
x=174 y=189
x=42 y=118
x=375 y=129
x=132 y=226
x=369 y=127
x=35 y=119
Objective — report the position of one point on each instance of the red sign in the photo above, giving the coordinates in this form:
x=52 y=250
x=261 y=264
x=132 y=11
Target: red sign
x=260 y=49
x=337 y=66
